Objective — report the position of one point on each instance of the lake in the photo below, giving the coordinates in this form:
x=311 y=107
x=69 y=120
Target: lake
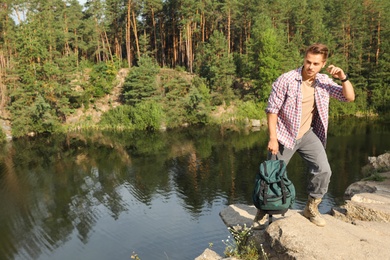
x=95 y=195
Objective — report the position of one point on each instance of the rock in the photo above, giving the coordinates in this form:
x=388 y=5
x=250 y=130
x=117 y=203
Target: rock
x=369 y=186
x=296 y=238
x=209 y=254
x=368 y=207
x=369 y=200
x=360 y=229
x=380 y=162
x=359 y=187
x=255 y=123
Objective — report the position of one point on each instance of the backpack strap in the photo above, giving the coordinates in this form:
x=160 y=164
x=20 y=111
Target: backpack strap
x=265 y=169
x=282 y=184
x=265 y=194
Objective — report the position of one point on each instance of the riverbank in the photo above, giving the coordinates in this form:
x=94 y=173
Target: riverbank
x=360 y=229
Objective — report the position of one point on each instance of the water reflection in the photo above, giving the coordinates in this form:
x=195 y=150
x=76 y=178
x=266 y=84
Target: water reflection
x=104 y=195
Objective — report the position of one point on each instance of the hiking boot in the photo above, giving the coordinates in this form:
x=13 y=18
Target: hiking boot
x=260 y=219
x=311 y=212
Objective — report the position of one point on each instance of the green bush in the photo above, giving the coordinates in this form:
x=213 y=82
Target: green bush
x=143 y=116
x=117 y=118
x=102 y=78
x=250 y=110
x=38 y=118
x=147 y=116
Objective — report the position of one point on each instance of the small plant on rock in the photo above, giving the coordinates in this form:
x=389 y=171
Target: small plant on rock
x=239 y=247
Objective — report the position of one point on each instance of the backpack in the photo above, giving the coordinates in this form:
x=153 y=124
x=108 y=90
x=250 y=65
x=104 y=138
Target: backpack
x=273 y=193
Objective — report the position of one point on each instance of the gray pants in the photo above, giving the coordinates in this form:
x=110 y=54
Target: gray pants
x=313 y=152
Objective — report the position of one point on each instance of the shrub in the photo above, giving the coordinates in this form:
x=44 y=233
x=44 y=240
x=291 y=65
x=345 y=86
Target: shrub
x=250 y=110
x=117 y=118
x=101 y=78
x=147 y=116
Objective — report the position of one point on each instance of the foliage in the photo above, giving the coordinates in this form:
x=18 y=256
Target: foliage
x=216 y=65
x=3 y=136
x=143 y=116
x=117 y=118
x=267 y=56
x=241 y=247
x=186 y=100
x=250 y=110
x=147 y=116
x=140 y=84
x=372 y=174
x=101 y=79
x=58 y=56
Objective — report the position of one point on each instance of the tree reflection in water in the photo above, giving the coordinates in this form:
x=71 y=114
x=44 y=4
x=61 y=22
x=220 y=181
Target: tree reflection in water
x=101 y=195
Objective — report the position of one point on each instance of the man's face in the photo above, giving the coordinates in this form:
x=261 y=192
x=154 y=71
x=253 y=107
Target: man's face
x=312 y=64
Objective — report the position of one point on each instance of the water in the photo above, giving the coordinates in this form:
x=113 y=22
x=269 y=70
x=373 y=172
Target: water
x=110 y=196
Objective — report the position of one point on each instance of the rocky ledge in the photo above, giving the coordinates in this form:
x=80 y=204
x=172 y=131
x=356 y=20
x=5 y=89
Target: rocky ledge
x=360 y=229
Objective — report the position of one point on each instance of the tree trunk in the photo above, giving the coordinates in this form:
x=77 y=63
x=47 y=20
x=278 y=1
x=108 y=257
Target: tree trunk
x=136 y=34
x=203 y=26
x=98 y=56
x=228 y=31
x=181 y=49
x=189 y=46
x=163 y=43
x=111 y=58
x=154 y=34
x=128 y=36
x=76 y=47
x=175 y=45
x=378 y=40
x=66 y=29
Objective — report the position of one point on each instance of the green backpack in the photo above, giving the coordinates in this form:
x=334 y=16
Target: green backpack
x=274 y=193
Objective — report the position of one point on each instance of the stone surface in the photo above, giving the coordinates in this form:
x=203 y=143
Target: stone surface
x=360 y=229
x=209 y=254
x=369 y=186
x=380 y=162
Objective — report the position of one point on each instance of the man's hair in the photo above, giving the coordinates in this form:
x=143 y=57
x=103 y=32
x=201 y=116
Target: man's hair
x=318 y=48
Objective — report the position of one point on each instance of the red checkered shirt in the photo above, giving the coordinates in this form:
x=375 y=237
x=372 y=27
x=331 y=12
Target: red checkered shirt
x=285 y=100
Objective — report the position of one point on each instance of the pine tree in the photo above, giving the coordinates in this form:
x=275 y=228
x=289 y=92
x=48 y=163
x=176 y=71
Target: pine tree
x=217 y=66
x=140 y=84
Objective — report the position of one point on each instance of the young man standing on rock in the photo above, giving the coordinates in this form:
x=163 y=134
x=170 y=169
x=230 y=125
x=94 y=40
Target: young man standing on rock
x=297 y=115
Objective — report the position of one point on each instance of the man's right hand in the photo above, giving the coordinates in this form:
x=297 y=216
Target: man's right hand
x=273 y=146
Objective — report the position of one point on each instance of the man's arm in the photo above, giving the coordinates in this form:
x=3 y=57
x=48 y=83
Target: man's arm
x=273 y=145
x=348 y=91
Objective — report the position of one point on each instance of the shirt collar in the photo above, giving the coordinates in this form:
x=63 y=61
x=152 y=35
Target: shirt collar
x=299 y=76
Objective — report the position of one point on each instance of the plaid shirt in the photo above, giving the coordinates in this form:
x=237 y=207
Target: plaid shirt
x=285 y=100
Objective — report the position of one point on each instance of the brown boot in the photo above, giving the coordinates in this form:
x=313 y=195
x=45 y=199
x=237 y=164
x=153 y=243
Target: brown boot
x=260 y=219
x=311 y=211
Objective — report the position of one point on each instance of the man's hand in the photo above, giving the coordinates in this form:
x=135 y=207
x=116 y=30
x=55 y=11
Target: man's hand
x=273 y=146
x=348 y=90
x=336 y=72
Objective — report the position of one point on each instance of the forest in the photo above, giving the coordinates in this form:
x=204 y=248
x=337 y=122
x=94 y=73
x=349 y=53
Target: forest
x=185 y=59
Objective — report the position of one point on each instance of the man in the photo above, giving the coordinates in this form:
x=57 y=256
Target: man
x=297 y=115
